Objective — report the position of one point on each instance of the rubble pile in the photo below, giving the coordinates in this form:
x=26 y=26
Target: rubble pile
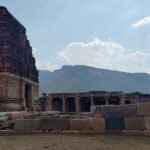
x=7 y=119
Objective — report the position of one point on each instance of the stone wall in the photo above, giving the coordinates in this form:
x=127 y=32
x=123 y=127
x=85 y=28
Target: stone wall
x=12 y=93
x=133 y=119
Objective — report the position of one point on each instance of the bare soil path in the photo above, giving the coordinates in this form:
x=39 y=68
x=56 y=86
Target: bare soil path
x=74 y=142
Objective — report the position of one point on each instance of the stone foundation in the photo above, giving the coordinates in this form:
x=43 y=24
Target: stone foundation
x=52 y=122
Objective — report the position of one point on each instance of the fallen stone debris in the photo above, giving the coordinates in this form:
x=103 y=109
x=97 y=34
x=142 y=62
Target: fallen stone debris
x=7 y=119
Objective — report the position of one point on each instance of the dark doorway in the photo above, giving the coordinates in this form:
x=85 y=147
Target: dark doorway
x=70 y=104
x=127 y=102
x=99 y=101
x=85 y=104
x=57 y=104
x=28 y=96
x=114 y=100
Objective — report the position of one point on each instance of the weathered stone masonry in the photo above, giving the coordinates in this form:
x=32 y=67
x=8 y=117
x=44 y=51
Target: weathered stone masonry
x=81 y=102
x=131 y=119
x=18 y=73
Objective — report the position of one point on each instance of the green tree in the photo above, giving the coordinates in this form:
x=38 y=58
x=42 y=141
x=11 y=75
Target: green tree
x=43 y=100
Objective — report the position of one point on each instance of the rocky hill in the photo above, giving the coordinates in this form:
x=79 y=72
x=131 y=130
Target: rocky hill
x=83 y=79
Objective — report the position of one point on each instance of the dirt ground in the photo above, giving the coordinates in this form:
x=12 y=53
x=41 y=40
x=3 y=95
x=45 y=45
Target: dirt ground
x=73 y=142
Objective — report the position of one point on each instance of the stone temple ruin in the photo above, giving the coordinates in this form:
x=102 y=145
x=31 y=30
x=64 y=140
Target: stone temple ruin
x=82 y=102
x=65 y=112
x=18 y=73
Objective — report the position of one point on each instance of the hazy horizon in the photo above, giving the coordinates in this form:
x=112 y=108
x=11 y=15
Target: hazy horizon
x=92 y=67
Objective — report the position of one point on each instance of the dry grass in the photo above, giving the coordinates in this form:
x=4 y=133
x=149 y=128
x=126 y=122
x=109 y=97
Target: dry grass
x=73 y=142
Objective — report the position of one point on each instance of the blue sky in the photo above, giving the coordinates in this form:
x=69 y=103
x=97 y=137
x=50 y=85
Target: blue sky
x=112 y=34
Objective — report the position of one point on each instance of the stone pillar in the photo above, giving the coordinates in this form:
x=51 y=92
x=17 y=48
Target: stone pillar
x=122 y=99
x=106 y=99
x=63 y=105
x=22 y=90
x=77 y=104
x=92 y=100
x=49 y=104
x=32 y=99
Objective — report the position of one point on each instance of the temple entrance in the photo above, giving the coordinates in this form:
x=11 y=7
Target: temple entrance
x=114 y=100
x=70 y=104
x=28 y=96
x=57 y=104
x=99 y=101
x=85 y=104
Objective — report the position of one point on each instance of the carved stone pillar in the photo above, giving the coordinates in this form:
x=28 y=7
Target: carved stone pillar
x=122 y=99
x=31 y=99
x=63 y=104
x=77 y=104
x=22 y=94
x=106 y=99
x=92 y=100
x=49 y=104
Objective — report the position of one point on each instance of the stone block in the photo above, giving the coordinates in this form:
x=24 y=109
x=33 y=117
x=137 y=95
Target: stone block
x=18 y=115
x=135 y=123
x=26 y=125
x=92 y=131
x=119 y=111
x=96 y=112
x=114 y=123
x=70 y=131
x=7 y=132
x=56 y=131
x=31 y=115
x=143 y=109
x=54 y=124
x=79 y=124
x=97 y=123
x=113 y=131
x=147 y=122
x=14 y=107
x=147 y=132
x=133 y=132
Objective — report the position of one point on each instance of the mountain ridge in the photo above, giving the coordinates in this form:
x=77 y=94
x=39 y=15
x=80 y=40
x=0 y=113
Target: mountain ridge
x=81 y=78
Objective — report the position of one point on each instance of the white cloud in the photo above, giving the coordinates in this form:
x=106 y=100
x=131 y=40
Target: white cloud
x=105 y=54
x=34 y=50
x=141 y=22
x=46 y=65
